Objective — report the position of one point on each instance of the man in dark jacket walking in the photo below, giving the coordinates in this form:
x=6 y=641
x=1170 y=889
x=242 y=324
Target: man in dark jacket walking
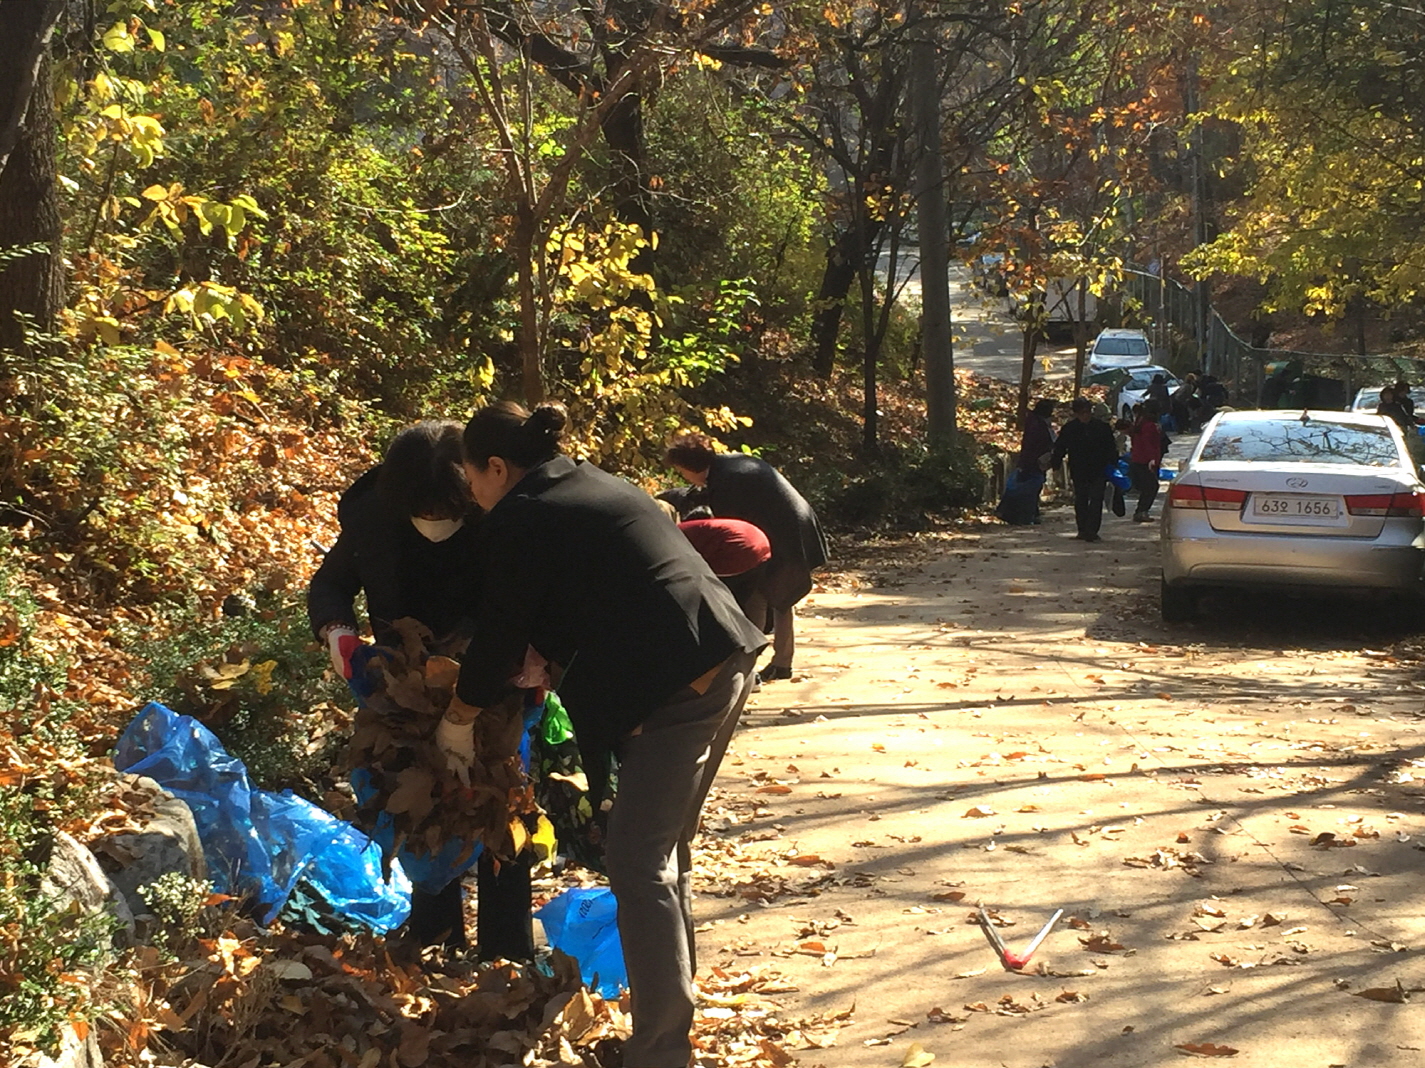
x=1089 y=445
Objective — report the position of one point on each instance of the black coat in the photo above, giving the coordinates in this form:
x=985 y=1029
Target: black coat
x=743 y=487
x=586 y=568
x=1089 y=446
x=402 y=572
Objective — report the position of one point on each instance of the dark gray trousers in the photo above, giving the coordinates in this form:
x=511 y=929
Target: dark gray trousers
x=665 y=772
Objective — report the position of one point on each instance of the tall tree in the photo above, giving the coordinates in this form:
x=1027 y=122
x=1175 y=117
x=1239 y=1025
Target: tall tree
x=31 y=282
x=1325 y=101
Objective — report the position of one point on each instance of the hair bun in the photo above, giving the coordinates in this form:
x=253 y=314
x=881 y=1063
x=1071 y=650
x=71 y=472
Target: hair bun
x=548 y=420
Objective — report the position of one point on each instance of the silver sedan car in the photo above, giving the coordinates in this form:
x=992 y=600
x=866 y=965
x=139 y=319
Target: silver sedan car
x=1315 y=500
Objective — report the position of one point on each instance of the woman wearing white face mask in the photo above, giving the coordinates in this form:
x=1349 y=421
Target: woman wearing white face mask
x=408 y=539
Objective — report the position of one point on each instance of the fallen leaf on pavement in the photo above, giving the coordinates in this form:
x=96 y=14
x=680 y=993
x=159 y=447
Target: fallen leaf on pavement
x=1206 y=1049
x=978 y=812
x=1101 y=943
x=917 y=1057
x=1071 y=997
x=807 y=860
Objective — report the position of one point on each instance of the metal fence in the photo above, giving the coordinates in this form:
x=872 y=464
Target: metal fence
x=1255 y=378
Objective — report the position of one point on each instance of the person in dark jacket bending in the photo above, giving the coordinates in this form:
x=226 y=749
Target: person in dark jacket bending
x=738 y=486
x=409 y=539
x=1090 y=447
x=657 y=662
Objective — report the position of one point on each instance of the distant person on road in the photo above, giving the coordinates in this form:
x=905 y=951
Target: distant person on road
x=1145 y=455
x=1157 y=392
x=1181 y=402
x=1391 y=407
x=739 y=486
x=1214 y=397
x=1120 y=455
x=1088 y=444
x=1020 y=504
x=1402 y=398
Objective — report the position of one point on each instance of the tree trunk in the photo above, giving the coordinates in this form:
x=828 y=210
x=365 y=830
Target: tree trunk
x=32 y=285
x=870 y=358
x=531 y=359
x=841 y=263
x=24 y=40
x=1026 y=369
x=931 y=212
x=623 y=132
x=1081 y=337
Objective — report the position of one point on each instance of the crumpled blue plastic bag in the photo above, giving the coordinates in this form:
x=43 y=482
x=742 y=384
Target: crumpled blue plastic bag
x=258 y=843
x=583 y=923
x=1117 y=473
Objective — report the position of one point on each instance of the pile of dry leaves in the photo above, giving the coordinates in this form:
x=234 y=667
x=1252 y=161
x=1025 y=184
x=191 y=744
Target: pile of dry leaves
x=251 y=998
x=394 y=740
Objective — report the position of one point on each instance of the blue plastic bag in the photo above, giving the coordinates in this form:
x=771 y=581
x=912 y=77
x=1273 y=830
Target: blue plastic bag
x=1019 y=505
x=1118 y=474
x=258 y=843
x=583 y=923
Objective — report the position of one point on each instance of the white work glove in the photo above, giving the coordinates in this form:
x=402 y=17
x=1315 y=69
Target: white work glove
x=456 y=742
x=342 y=642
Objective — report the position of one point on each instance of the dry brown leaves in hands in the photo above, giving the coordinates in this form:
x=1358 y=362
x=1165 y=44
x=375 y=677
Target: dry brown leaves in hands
x=394 y=740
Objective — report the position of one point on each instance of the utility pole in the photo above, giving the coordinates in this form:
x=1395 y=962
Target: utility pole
x=934 y=235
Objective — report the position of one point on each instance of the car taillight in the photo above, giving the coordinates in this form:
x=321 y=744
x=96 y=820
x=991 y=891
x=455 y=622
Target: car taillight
x=1385 y=504
x=1214 y=497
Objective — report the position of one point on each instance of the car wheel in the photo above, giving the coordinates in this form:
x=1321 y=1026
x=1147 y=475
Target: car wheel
x=1178 y=603
x=1127 y=412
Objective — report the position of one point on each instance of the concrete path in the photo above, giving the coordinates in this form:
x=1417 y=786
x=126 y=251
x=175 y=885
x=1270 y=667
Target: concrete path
x=1229 y=812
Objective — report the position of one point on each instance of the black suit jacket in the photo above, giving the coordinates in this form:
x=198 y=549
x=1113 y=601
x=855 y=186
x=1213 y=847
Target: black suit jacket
x=1089 y=446
x=586 y=568
x=747 y=488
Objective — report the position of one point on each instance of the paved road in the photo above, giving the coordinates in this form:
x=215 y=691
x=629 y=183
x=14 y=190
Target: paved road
x=987 y=339
x=1229 y=812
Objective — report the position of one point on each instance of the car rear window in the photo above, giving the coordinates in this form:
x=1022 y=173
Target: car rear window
x=1144 y=381
x=1121 y=346
x=1292 y=441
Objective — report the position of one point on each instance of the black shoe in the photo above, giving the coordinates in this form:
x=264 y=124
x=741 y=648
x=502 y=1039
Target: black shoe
x=1091 y=537
x=774 y=673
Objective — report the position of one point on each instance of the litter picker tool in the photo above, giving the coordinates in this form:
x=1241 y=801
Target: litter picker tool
x=1011 y=960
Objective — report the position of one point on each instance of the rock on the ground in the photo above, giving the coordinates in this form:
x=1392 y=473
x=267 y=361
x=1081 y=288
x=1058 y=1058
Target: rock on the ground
x=74 y=1052
x=75 y=875
x=167 y=842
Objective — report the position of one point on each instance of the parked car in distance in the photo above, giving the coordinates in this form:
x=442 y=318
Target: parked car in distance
x=1135 y=390
x=1294 y=501
x=1368 y=399
x=1119 y=348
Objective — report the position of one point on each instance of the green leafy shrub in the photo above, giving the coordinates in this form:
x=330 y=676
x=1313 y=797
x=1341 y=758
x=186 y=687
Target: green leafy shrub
x=48 y=960
x=258 y=680
x=179 y=903
x=904 y=487
x=26 y=667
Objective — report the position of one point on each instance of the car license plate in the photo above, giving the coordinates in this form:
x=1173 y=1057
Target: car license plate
x=1296 y=507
